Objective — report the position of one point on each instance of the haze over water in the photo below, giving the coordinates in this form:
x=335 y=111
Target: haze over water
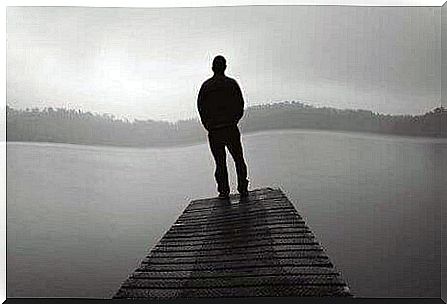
x=80 y=218
x=149 y=63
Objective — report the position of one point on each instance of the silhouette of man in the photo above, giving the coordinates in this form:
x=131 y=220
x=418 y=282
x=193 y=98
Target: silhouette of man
x=221 y=106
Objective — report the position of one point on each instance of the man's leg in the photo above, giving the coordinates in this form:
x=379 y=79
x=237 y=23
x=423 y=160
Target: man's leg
x=235 y=148
x=217 y=148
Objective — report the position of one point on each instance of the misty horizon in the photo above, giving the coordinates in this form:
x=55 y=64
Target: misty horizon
x=197 y=118
x=149 y=63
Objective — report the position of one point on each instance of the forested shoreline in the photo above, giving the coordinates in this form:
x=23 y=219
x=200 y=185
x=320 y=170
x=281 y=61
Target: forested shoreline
x=77 y=127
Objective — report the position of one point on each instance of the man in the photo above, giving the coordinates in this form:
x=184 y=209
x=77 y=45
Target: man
x=221 y=106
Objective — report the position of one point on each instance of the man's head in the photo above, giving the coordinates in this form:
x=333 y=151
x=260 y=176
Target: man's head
x=219 y=64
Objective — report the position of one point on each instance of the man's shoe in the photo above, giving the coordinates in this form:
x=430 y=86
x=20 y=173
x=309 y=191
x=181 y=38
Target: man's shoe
x=224 y=195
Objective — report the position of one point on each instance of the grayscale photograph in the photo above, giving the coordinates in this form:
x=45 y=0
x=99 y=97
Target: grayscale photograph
x=230 y=151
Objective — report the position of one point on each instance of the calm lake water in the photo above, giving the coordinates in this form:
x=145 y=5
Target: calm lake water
x=80 y=218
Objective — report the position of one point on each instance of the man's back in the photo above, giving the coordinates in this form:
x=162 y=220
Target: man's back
x=221 y=107
x=220 y=102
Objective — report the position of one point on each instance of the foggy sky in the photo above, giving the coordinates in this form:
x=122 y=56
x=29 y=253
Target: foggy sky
x=149 y=63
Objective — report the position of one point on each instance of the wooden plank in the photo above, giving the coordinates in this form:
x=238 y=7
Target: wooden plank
x=296 y=271
x=257 y=246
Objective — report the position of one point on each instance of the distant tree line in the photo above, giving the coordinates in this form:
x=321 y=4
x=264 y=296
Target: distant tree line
x=297 y=115
x=74 y=126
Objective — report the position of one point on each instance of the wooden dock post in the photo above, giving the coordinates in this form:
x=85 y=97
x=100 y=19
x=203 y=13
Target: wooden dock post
x=259 y=246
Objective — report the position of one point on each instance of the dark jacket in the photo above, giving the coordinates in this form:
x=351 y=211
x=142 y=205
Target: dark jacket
x=220 y=102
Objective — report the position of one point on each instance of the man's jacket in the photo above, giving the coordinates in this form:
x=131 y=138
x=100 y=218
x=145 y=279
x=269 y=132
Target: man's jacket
x=220 y=102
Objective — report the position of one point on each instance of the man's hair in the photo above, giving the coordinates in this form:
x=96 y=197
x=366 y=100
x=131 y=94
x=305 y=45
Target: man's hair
x=219 y=64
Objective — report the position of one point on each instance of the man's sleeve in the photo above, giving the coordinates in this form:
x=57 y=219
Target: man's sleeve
x=201 y=106
x=239 y=101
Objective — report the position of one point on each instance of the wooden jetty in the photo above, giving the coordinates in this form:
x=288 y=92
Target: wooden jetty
x=257 y=246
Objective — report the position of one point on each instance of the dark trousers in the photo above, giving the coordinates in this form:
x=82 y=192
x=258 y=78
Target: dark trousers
x=229 y=137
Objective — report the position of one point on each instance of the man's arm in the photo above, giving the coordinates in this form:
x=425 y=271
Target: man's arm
x=239 y=100
x=201 y=106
